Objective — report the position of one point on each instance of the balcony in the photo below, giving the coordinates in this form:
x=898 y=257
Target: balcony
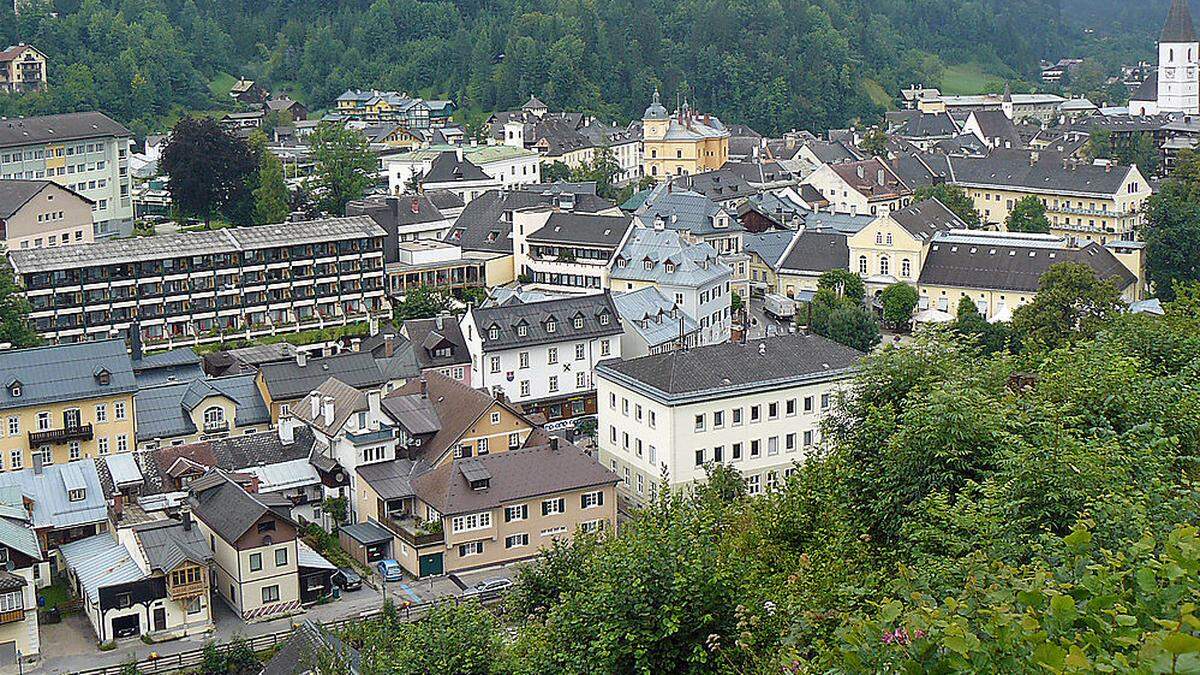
x=414 y=532
x=12 y=616
x=187 y=591
x=82 y=432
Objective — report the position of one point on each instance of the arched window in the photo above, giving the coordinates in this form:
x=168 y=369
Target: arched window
x=214 y=417
x=862 y=264
x=889 y=239
x=905 y=268
x=883 y=266
x=878 y=238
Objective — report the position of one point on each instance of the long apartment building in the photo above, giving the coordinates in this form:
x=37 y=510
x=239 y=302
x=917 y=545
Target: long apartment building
x=198 y=287
x=86 y=152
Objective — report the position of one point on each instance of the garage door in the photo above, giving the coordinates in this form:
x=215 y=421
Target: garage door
x=8 y=653
x=127 y=626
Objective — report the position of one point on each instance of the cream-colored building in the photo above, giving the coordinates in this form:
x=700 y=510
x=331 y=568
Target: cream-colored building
x=868 y=186
x=43 y=214
x=206 y=409
x=65 y=403
x=22 y=69
x=21 y=552
x=682 y=144
x=253 y=540
x=892 y=248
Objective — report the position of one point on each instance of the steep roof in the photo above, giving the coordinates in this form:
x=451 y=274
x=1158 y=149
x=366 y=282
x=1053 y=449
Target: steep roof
x=168 y=543
x=730 y=368
x=15 y=194
x=20 y=131
x=1179 y=24
x=924 y=218
x=456 y=405
x=650 y=314
x=584 y=229
x=234 y=453
x=165 y=411
x=692 y=264
x=535 y=317
x=427 y=335
x=229 y=510
x=288 y=380
x=346 y=401
x=485 y=224
x=99 y=561
x=67 y=372
x=816 y=252
x=448 y=168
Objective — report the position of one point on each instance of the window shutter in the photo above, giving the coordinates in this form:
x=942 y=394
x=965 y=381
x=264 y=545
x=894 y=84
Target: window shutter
x=562 y=505
x=545 y=508
x=600 y=498
x=583 y=501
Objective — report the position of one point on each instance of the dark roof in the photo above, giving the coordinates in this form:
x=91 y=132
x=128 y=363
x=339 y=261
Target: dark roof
x=448 y=168
x=926 y=125
x=994 y=124
x=1147 y=90
x=583 y=229
x=1011 y=268
x=346 y=401
x=391 y=212
x=731 y=368
x=1179 y=24
x=365 y=533
x=234 y=453
x=877 y=180
x=817 y=252
x=19 y=131
x=310 y=649
x=720 y=186
x=289 y=380
x=413 y=412
x=535 y=315
x=922 y=219
x=229 y=510
x=456 y=405
x=390 y=480
x=426 y=335
x=15 y=194
x=165 y=411
x=833 y=152
x=514 y=475
x=67 y=372
x=167 y=544
x=485 y=224
x=1048 y=174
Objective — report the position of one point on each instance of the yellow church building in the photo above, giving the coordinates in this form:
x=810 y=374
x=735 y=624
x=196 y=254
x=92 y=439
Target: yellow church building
x=681 y=144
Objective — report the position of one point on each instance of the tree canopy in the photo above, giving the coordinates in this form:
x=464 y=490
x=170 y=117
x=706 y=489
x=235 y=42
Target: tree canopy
x=1172 y=229
x=1028 y=215
x=210 y=171
x=345 y=166
x=954 y=198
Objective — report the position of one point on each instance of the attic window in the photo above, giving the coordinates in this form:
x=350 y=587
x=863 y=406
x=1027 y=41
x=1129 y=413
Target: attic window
x=551 y=326
x=77 y=495
x=522 y=331
x=481 y=484
x=103 y=377
x=648 y=264
x=14 y=389
x=670 y=267
x=604 y=319
x=579 y=323
x=493 y=333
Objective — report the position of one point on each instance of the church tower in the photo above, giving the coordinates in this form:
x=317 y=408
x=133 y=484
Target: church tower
x=1179 y=62
x=656 y=120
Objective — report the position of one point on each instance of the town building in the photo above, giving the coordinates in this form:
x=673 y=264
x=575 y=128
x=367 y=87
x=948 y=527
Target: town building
x=64 y=403
x=864 y=186
x=249 y=92
x=42 y=213
x=86 y=152
x=22 y=69
x=808 y=255
x=440 y=347
x=682 y=143
x=691 y=275
x=253 y=539
x=653 y=323
x=390 y=106
x=22 y=554
x=541 y=354
x=567 y=252
x=283 y=383
x=64 y=503
x=1175 y=86
x=893 y=247
x=572 y=139
x=198 y=410
x=468 y=171
x=755 y=406
x=206 y=286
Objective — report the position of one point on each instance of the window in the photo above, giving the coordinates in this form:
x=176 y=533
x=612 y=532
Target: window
x=102 y=445
x=736 y=452
x=591 y=500
x=579 y=352
x=808 y=404
x=719 y=453
x=906 y=268
x=553 y=383
x=514 y=513
x=101 y=413
x=825 y=401
x=773 y=411
x=495 y=364
x=578 y=323
x=214 y=418
x=43 y=421
x=523 y=360
x=580 y=380
x=612 y=400
x=737 y=416
x=625 y=407
x=700 y=422
x=124 y=600
x=884 y=266
x=604 y=319
x=553 y=507
x=483 y=446
x=718 y=419
x=590 y=526
x=12 y=601
x=522 y=331
x=255 y=562
x=281 y=557
x=790 y=442
x=754 y=485
x=604 y=348
x=862 y=264
x=755 y=448
x=653 y=419
x=808 y=439
x=516 y=540
x=773 y=445
x=551 y=326
x=74 y=450
x=119 y=410
x=471 y=521
x=700 y=457
x=524 y=388
x=514 y=440
x=493 y=333
x=552 y=355
x=495 y=418
x=755 y=413
x=270 y=594
x=17 y=459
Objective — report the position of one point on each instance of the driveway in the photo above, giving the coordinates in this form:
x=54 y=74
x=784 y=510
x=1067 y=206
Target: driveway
x=762 y=325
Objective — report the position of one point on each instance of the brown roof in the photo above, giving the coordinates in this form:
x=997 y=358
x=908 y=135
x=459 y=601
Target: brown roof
x=15 y=51
x=346 y=401
x=514 y=475
x=457 y=406
x=869 y=183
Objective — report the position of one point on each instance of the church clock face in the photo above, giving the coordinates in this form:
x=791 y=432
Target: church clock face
x=1169 y=72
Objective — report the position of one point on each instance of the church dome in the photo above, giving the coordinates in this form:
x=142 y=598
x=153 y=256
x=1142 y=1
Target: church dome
x=656 y=111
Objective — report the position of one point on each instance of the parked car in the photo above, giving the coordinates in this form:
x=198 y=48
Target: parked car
x=778 y=306
x=347 y=579
x=390 y=570
x=488 y=587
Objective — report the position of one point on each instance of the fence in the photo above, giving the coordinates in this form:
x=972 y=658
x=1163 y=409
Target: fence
x=173 y=663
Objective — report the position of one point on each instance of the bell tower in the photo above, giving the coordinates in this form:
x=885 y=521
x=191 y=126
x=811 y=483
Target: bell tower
x=1179 y=62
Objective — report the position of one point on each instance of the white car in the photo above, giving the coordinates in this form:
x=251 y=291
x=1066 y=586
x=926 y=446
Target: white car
x=488 y=587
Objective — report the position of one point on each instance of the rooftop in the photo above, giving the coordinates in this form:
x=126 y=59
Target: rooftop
x=67 y=372
x=545 y=322
x=22 y=131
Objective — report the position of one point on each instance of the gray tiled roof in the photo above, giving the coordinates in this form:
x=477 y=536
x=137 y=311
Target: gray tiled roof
x=448 y=168
x=229 y=510
x=346 y=401
x=288 y=380
x=48 y=492
x=684 y=210
x=390 y=480
x=653 y=316
x=1015 y=170
x=693 y=264
x=413 y=412
x=226 y=240
x=924 y=218
x=769 y=246
x=15 y=194
x=730 y=368
x=535 y=315
x=1011 y=267
x=234 y=453
x=20 y=131
x=68 y=372
x=816 y=252
x=425 y=333
x=167 y=544
x=1178 y=27
x=310 y=649
x=485 y=224
x=721 y=185
x=584 y=229
x=994 y=124
x=165 y=411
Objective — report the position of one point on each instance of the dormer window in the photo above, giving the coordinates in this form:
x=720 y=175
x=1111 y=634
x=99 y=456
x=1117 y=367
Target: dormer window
x=604 y=319
x=578 y=323
x=670 y=267
x=77 y=495
x=103 y=377
x=551 y=326
x=648 y=265
x=479 y=485
x=522 y=330
x=14 y=389
x=493 y=333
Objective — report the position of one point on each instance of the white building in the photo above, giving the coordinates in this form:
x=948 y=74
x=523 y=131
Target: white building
x=501 y=166
x=542 y=354
x=756 y=406
x=1175 y=86
x=688 y=274
x=566 y=252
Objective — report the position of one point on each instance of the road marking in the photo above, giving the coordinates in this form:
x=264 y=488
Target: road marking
x=409 y=591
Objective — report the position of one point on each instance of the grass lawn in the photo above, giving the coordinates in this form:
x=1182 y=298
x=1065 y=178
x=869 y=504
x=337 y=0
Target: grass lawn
x=221 y=84
x=878 y=95
x=969 y=78
x=54 y=595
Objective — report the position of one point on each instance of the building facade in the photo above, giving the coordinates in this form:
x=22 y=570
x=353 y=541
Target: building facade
x=681 y=144
x=41 y=213
x=85 y=152
x=22 y=69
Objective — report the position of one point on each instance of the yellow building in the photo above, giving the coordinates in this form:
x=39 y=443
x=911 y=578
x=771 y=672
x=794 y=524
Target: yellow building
x=893 y=247
x=681 y=144
x=65 y=403
x=22 y=69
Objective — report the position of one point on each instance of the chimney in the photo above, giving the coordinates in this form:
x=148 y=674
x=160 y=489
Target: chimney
x=415 y=206
x=1034 y=156
x=424 y=388
x=301 y=358
x=373 y=325
x=389 y=345
x=252 y=488
x=861 y=172
x=118 y=506
x=327 y=414
x=879 y=177
x=286 y=432
x=762 y=349
x=185 y=517
x=458 y=153
x=314 y=400
x=438 y=321
x=37 y=463
x=554 y=443
x=373 y=399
